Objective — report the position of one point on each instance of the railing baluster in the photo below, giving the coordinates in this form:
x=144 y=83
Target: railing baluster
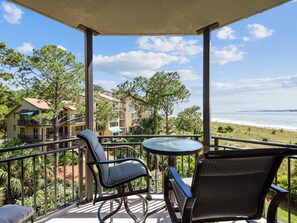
x=189 y=166
x=289 y=189
x=22 y=181
x=45 y=183
x=64 y=176
x=80 y=174
x=72 y=174
x=56 y=157
x=156 y=172
x=34 y=183
x=8 y=182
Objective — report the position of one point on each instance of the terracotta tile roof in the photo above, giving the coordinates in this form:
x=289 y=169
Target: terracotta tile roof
x=38 y=103
x=110 y=98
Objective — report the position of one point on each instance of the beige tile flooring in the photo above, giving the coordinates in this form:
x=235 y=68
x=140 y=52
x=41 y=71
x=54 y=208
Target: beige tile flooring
x=87 y=213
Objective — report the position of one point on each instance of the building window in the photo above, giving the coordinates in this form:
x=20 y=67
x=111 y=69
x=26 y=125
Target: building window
x=113 y=124
x=14 y=128
x=35 y=133
x=22 y=131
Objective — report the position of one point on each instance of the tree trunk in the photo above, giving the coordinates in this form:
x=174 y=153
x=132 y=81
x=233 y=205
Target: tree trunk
x=155 y=121
x=167 y=123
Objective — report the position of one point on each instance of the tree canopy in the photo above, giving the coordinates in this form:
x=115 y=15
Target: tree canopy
x=160 y=92
x=56 y=77
x=104 y=111
x=9 y=60
x=189 y=120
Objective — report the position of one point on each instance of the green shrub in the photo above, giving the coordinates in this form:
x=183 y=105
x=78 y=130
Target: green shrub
x=68 y=158
x=226 y=129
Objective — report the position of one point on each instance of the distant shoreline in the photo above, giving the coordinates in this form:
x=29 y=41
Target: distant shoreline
x=286 y=110
x=287 y=128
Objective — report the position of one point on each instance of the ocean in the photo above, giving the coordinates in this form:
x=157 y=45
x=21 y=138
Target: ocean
x=280 y=120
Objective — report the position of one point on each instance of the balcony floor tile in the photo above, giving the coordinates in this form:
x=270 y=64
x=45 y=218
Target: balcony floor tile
x=87 y=213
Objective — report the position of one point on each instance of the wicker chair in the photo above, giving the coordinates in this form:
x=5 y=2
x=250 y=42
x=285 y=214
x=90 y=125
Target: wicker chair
x=118 y=176
x=226 y=186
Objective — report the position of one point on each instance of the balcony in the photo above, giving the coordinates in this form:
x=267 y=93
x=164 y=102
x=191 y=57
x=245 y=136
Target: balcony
x=30 y=138
x=53 y=181
x=30 y=122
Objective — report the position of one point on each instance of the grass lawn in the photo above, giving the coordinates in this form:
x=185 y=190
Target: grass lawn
x=253 y=132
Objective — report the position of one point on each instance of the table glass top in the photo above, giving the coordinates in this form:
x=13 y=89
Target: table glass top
x=171 y=145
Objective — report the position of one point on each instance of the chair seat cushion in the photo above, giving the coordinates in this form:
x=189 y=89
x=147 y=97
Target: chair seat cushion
x=125 y=172
x=15 y=213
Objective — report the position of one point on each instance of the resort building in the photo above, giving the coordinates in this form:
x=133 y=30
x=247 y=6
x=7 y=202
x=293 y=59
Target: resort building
x=22 y=123
x=127 y=116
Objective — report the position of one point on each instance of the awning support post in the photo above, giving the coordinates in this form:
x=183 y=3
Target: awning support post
x=206 y=89
x=89 y=100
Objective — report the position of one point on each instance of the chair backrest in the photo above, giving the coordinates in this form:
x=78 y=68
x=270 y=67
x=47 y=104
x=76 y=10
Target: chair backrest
x=96 y=150
x=234 y=183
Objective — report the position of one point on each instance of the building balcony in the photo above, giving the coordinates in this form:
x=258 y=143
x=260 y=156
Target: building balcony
x=48 y=137
x=29 y=122
x=53 y=181
x=30 y=138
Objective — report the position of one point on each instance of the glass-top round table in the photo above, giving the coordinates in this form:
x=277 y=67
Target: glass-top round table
x=171 y=146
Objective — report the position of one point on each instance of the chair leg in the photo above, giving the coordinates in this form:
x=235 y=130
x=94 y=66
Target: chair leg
x=102 y=220
x=144 y=207
x=144 y=202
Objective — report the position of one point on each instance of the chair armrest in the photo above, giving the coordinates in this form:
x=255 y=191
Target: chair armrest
x=184 y=188
x=274 y=203
x=119 y=161
x=278 y=189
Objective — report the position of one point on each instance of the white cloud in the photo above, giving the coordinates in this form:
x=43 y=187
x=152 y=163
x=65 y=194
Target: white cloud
x=107 y=85
x=175 y=45
x=12 y=14
x=259 y=31
x=226 y=55
x=256 y=85
x=186 y=74
x=25 y=48
x=245 y=38
x=255 y=94
x=61 y=47
x=226 y=33
x=135 y=63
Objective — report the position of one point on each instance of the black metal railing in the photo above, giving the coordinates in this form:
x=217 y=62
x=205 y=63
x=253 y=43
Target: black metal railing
x=57 y=168
x=156 y=163
x=29 y=122
x=43 y=176
x=30 y=138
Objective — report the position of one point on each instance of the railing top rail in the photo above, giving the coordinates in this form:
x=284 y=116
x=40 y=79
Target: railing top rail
x=149 y=136
x=29 y=146
x=40 y=154
x=253 y=141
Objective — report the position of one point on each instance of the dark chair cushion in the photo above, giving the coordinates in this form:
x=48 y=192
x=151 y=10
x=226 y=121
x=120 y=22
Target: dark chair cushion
x=126 y=171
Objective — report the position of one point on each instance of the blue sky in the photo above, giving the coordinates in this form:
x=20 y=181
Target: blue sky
x=254 y=61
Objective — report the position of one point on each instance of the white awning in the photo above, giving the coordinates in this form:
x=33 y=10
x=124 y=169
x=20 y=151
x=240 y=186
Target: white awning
x=115 y=130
